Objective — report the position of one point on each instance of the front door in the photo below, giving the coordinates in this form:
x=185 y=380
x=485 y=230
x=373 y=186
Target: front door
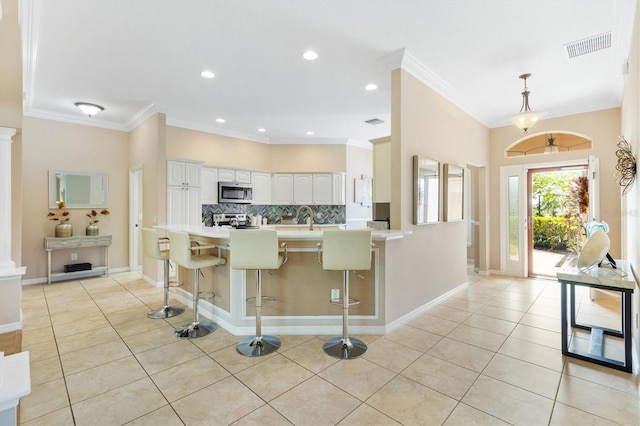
x=513 y=221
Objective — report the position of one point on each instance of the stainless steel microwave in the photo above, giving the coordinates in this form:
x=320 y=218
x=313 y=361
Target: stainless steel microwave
x=235 y=192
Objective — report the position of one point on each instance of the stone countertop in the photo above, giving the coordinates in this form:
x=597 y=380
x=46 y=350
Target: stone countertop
x=621 y=278
x=223 y=232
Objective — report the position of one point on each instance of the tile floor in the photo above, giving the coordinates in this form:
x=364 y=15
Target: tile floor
x=490 y=354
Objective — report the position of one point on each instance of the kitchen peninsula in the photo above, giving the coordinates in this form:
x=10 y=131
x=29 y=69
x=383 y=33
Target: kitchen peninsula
x=301 y=288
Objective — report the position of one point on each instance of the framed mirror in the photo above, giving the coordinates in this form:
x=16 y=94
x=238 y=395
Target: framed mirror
x=453 y=200
x=78 y=189
x=426 y=191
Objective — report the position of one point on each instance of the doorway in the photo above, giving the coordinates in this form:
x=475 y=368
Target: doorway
x=135 y=219
x=559 y=205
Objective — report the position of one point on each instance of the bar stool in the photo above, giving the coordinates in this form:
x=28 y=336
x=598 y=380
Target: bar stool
x=181 y=253
x=151 y=248
x=345 y=250
x=256 y=249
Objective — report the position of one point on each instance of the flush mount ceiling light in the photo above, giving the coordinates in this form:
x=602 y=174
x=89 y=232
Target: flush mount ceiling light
x=526 y=118
x=89 y=109
x=207 y=74
x=310 y=55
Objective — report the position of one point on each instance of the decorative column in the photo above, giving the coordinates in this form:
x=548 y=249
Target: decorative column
x=5 y=198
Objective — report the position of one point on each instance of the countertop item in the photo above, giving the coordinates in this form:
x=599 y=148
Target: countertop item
x=594 y=250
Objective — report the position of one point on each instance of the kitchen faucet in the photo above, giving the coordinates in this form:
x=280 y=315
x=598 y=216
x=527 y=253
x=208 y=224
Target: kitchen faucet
x=310 y=215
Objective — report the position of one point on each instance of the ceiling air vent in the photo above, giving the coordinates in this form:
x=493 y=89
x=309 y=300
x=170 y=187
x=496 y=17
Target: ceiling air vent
x=588 y=45
x=374 y=121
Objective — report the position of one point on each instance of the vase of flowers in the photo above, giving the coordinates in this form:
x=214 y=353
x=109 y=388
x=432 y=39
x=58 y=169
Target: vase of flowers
x=92 y=228
x=62 y=216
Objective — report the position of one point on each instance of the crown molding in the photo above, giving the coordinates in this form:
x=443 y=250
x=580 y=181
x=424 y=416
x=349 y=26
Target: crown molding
x=143 y=114
x=404 y=60
x=92 y=122
x=29 y=18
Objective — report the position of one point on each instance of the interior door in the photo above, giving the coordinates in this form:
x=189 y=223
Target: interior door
x=513 y=220
x=135 y=219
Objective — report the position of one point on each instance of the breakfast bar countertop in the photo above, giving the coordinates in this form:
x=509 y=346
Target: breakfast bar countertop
x=223 y=232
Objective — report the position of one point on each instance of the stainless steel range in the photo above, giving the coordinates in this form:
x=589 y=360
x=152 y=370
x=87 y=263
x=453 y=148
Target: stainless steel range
x=237 y=220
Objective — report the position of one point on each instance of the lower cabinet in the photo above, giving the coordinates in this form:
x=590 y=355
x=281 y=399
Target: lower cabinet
x=183 y=205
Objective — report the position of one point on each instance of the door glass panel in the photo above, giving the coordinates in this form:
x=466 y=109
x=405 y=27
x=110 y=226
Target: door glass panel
x=514 y=216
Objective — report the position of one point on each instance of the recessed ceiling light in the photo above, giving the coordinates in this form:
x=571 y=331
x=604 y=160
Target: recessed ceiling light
x=220 y=120
x=371 y=86
x=310 y=133
x=310 y=55
x=262 y=129
x=207 y=74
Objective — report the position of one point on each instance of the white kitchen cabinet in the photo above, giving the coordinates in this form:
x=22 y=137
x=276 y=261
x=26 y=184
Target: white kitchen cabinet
x=322 y=188
x=261 y=187
x=183 y=205
x=338 y=194
x=303 y=188
x=182 y=173
x=243 y=176
x=209 y=185
x=233 y=175
x=282 y=188
x=183 y=192
x=226 y=175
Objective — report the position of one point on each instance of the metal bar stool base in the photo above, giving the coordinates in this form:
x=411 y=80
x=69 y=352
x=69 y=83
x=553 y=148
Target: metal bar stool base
x=254 y=347
x=165 y=312
x=195 y=330
x=339 y=347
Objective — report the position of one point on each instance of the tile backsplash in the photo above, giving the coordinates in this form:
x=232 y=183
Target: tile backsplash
x=274 y=213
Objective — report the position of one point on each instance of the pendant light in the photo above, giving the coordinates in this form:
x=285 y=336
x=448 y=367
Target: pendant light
x=526 y=118
x=550 y=148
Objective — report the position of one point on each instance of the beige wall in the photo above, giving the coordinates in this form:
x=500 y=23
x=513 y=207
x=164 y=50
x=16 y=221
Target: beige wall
x=431 y=260
x=53 y=145
x=603 y=127
x=631 y=201
x=147 y=146
x=10 y=67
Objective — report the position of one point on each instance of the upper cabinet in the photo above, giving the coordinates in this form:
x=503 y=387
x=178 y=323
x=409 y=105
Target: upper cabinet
x=233 y=175
x=183 y=173
x=209 y=185
x=303 y=188
x=322 y=188
x=282 y=192
x=261 y=187
x=338 y=189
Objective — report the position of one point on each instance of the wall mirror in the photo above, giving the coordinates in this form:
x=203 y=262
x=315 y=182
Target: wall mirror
x=453 y=192
x=426 y=191
x=78 y=189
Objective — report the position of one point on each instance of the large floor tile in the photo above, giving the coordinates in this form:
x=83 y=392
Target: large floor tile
x=508 y=403
x=366 y=415
x=44 y=399
x=164 y=416
x=525 y=375
x=537 y=335
x=189 y=377
x=93 y=356
x=478 y=337
x=414 y=338
x=61 y=417
x=315 y=401
x=225 y=401
x=408 y=402
x=151 y=339
x=167 y=356
x=445 y=377
x=273 y=377
x=310 y=355
x=601 y=375
x=602 y=401
x=391 y=355
x=433 y=324
x=263 y=416
x=45 y=370
x=565 y=415
x=91 y=382
x=489 y=323
x=534 y=353
x=120 y=405
x=462 y=354
x=87 y=339
x=466 y=415
x=354 y=377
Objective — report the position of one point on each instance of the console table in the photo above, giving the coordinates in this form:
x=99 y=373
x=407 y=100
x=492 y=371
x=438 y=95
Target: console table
x=605 y=278
x=79 y=242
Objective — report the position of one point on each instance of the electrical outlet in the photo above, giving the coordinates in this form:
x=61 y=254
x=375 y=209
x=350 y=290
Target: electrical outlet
x=335 y=293
x=74 y=256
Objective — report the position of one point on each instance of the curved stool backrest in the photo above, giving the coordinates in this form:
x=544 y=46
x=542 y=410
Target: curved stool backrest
x=180 y=250
x=151 y=246
x=254 y=249
x=346 y=250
